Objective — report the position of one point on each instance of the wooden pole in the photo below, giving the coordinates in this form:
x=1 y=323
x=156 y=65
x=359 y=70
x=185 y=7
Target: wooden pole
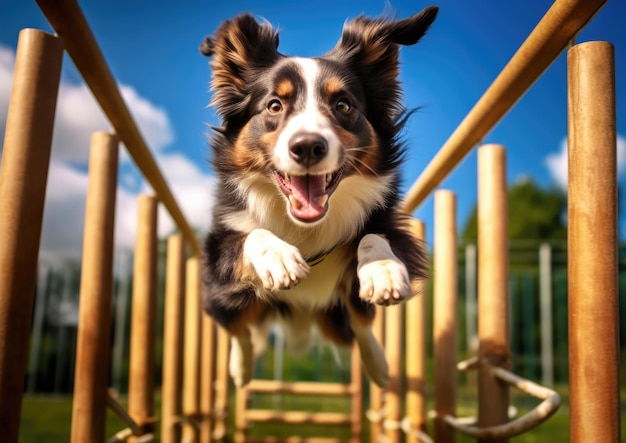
x=592 y=244
x=394 y=396
x=222 y=383
x=23 y=177
x=377 y=394
x=143 y=317
x=356 y=394
x=444 y=317
x=96 y=292
x=67 y=19
x=207 y=375
x=171 y=402
x=493 y=310
x=415 y=351
x=191 y=382
x=241 y=422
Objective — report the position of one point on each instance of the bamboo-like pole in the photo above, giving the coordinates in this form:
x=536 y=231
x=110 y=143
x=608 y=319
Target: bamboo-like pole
x=241 y=422
x=356 y=394
x=222 y=383
x=415 y=351
x=444 y=316
x=394 y=396
x=299 y=388
x=23 y=177
x=193 y=330
x=171 y=399
x=143 y=317
x=96 y=292
x=298 y=417
x=68 y=21
x=592 y=243
x=493 y=311
x=207 y=378
x=375 y=414
x=545 y=43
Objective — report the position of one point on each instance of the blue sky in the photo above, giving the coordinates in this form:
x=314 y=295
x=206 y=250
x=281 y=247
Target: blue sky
x=151 y=48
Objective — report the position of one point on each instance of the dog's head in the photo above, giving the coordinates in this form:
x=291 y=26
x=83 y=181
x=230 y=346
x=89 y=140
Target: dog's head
x=310 y=123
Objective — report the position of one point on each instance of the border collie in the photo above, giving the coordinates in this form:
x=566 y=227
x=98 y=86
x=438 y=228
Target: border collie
x=306 y=228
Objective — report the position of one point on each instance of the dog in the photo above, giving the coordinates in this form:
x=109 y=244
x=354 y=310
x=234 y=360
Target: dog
x=306 y=228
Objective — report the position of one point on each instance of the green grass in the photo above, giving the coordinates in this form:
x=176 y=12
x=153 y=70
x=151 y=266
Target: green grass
x=48 y=419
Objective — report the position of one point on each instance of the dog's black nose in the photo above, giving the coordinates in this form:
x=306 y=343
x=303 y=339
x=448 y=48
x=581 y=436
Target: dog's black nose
x=307 y=148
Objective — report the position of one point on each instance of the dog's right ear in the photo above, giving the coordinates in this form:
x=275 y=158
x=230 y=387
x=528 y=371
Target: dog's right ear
x=240 y=48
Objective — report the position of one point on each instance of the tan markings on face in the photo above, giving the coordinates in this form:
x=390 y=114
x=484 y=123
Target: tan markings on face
x=284 y=88
x=269 y=140
x=243 y=157
x=364 y=156
x=333 y=86
x=371 y=159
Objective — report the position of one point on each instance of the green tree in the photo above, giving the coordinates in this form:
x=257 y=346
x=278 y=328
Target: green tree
x=534 y=214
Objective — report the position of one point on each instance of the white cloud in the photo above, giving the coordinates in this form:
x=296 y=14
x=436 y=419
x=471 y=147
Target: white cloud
x=557 y=162
x=77 y=117
x=153 y=122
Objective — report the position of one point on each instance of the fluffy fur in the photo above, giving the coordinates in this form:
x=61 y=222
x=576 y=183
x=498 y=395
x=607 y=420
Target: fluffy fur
x=306 y=229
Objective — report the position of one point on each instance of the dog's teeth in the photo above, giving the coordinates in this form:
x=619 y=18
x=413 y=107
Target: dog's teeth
x=323 y=200
x=294 y=202
x=329 y=178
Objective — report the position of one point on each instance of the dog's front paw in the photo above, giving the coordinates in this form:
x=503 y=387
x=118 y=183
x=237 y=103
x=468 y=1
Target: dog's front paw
x=278 y=264
x=384 y=282
x=383 y=278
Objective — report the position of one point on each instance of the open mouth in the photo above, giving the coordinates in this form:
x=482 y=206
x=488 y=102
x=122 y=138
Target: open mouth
x=308 y=194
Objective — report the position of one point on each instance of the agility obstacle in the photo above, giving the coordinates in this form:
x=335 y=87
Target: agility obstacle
x=195 y=385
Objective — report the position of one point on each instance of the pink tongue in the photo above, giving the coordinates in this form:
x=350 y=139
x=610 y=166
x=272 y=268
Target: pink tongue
x=309 y=193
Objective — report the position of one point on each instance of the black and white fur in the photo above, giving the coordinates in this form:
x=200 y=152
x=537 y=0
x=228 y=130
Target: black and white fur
x=306 y=228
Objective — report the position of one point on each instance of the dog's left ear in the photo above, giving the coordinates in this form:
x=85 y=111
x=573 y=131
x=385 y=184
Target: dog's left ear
x=371 y=48
x=240 y=49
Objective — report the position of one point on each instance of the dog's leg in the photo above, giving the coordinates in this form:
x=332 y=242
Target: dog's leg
x=372 y=355
x=276 y=263
x=360 y=315
x=241 y=361
x=384 y=279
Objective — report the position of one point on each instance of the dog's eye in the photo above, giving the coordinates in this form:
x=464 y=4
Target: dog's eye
x=343 y=106
x=274 y=106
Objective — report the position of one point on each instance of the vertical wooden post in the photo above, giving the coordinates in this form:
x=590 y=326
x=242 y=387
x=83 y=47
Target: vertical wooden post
x=96 y=292
x=356 y=394
x=191 y=382
x=171 y=402
x=415 y=351
x=395 y=392
x=23 y=177
x=493 y=310
x=444 y=318
x=222 y=383
x=592 y=244
x=241 y=424
x=207 y=378
x=376 y=393
x=143 y=317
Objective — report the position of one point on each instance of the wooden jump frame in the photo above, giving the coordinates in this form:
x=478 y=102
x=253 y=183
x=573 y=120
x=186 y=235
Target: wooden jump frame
x=195 y=381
